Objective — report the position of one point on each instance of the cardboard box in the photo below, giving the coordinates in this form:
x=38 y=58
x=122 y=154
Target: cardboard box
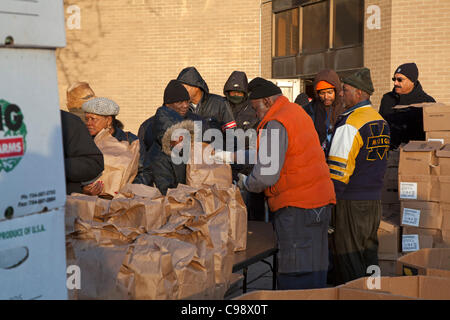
x=33 y=23
x=33 y=257
x=442 y=136
x=414 y=239
x=390 y=181
x=388 y=267
x=436 y=117
x=390 y=196
x=31 y=157
x=388 y=241
x=338 y=293
x=391 y=213
x=419 y=158
x=393 y=158
x=421 y=214
x=443 y=155
x=417 y=187
x=429 y=262
x=444 y=189
x=420 y=287
x=445 y=211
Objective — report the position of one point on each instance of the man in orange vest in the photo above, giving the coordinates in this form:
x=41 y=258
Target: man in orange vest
x=292 y=171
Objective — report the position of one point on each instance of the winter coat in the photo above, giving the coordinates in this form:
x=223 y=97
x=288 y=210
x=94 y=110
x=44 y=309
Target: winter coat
x=146 y=142
x=158 y=166
x=243 y=112
x=317 y=110
x=212 y=107
x=83 y=161
x=406 y=124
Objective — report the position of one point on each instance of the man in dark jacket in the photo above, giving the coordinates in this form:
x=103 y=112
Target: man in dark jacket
x=406 y=124
x=158 y=164
x=236 y=93
x=207 y=105
x=327 y=104
x=83 y=161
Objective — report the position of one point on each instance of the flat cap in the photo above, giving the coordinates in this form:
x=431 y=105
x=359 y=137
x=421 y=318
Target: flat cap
x=101 y=106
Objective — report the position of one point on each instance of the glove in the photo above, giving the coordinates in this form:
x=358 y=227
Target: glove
x=223 y=157
x=241 y=182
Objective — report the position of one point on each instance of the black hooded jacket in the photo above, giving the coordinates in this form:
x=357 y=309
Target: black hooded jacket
x=243 y=112
x=406 y=124
x=212 y=107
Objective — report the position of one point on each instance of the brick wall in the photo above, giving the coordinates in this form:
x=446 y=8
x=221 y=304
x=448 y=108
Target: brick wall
x=377 y=50
x=266 y=40
x=128 y=50
x=421 y=34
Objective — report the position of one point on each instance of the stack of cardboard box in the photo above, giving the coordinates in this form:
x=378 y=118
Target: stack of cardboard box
x=421 y=217
x=424 y=181
x=389 y=230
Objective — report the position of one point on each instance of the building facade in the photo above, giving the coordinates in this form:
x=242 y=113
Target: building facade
x=128 y=50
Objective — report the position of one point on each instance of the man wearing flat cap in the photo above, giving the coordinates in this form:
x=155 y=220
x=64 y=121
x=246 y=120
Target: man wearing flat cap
x=292 y=171
x=406 y=124
x=357 y=161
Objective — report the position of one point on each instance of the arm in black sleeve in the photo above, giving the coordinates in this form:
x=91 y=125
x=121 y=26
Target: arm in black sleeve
x=83 y=161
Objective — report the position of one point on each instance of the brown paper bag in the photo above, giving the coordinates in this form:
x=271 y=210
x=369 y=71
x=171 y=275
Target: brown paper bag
x=121 y=161
x=238 y=217
x=140 y=190
x=100 y=266
x=203 y=174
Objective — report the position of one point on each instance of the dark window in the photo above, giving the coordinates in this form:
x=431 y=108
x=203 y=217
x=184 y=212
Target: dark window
x=316 y=27
x=349 y=23
x=286 y=33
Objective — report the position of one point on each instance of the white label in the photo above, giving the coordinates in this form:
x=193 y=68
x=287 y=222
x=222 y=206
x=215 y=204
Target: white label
x=440 y=140
x=408 y=190
x=410 y=242
x=411 y=217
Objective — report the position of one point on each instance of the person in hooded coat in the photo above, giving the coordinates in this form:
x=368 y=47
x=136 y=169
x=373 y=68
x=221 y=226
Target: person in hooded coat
x=236 y=93
x=326 y=105
x=406 y=124
x=163 y=173
x=209 y=106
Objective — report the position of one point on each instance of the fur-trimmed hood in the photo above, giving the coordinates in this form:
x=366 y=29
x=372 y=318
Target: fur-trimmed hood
x=182 y=126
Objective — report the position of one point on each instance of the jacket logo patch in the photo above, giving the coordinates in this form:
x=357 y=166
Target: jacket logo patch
x=378 y=143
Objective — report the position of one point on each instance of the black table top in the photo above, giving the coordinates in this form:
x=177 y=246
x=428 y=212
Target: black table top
x=261 y=243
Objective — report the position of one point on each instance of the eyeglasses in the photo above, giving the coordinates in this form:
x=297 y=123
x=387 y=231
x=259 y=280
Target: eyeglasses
x=398 y=79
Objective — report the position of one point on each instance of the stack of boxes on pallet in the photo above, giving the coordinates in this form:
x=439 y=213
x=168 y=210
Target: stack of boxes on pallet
x=424 y=184
x=389 y=230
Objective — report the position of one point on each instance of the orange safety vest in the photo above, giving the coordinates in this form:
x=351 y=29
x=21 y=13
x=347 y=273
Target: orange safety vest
x=305 y=180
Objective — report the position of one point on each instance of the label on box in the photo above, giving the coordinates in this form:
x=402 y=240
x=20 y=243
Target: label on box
x=410 y=242
x=440 y=140
x=411 y=217
x=408 y=190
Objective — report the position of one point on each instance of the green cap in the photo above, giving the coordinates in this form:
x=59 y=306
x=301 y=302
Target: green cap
x=361 y=80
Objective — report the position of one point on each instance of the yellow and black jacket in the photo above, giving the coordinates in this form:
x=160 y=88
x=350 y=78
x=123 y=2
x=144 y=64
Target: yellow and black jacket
x=358 y=154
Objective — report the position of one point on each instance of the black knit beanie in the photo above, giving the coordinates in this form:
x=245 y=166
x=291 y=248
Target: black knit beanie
x=261 y=88
x=175 y=92
x=409 y=70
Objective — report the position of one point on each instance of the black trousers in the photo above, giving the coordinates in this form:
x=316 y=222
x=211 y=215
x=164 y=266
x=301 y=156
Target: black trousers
x=302 y=237
x=355 y=240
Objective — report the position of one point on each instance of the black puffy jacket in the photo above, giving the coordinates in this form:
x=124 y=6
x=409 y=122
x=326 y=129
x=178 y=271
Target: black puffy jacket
x=212 y=107
x=243 y=112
